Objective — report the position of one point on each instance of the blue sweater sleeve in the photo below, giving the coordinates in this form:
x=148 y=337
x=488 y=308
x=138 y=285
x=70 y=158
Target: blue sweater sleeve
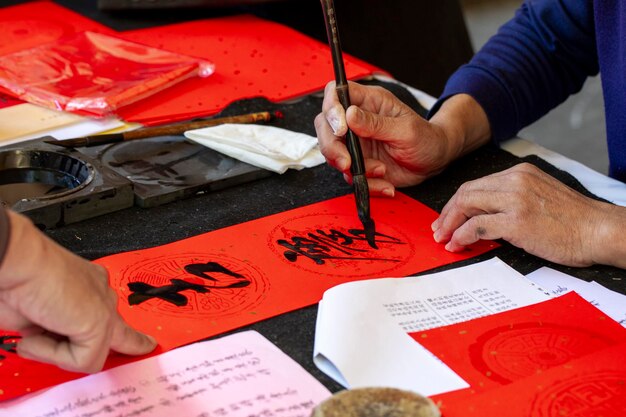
x=534 y=62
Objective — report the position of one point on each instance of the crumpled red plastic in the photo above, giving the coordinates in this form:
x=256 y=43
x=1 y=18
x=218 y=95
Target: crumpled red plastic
x=94 y=73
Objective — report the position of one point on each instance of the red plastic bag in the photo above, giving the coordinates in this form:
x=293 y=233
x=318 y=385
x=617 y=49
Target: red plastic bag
x=94 y=73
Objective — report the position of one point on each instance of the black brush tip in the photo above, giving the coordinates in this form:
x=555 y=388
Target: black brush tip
x=362 y=197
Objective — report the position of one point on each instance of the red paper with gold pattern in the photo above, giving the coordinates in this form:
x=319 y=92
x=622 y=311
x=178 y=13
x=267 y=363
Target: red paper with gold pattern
x=499 y=349
x=593 y=385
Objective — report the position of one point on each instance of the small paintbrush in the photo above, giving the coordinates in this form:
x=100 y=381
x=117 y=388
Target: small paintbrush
x=150 y=132
x=357 y=169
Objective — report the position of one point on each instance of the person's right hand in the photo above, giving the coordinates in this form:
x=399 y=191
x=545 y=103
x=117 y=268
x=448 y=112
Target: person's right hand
x=399 y=147
x=61 y=304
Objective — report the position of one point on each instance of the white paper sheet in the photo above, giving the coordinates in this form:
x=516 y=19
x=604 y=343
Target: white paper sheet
x=361 y=335
x=242 y=375
x=557 y=283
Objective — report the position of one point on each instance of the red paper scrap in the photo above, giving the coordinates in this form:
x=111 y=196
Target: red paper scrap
x=593 y=385
x=208 y=284
x=35 y=23
x=499 y=349
x=8 y=101
x=252 y=57
x=94 y=73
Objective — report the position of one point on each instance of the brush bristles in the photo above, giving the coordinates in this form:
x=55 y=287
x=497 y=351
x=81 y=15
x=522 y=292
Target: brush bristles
x=362 y=197
x=361 y=194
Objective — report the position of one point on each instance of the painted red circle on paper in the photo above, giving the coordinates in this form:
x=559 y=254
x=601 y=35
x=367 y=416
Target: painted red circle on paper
x=592 y=394
x=229 y=287
x=308 y=243
x=506 y=355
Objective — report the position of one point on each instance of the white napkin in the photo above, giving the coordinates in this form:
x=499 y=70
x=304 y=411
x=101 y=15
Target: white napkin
x=263 y=146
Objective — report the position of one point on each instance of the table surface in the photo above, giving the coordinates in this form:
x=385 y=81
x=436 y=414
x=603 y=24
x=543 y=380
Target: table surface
x=137 y=228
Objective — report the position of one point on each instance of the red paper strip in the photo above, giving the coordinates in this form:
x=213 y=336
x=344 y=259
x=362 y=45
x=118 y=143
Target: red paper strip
x=252 y=58
x=591 y=386
x=35 y=23
x=205 y=285
x=502 y=348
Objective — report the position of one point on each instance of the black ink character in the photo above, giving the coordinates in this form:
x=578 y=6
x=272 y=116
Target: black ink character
x=333 y=244
x=8 y=344
x=200 y=270
x=172 y=292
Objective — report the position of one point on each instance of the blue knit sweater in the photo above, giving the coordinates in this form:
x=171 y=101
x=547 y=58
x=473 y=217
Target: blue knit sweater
x=543 y=55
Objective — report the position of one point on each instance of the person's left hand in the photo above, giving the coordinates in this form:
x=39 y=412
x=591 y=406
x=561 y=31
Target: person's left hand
x=533 y=211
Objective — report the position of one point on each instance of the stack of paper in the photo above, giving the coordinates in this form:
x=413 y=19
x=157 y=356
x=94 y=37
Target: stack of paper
x=556 y=283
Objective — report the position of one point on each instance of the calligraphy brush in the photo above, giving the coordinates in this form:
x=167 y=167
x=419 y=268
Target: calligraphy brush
x=357 y=169
x=150 y=132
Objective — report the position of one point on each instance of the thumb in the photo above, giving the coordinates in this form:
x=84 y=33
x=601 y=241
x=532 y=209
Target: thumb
x=129 y=341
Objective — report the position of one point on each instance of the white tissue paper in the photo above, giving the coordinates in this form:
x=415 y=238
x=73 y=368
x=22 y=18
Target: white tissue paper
x=267 y=147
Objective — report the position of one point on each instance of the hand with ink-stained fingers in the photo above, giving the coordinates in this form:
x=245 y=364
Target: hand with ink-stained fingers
x=61 y=304
x=533 y=211
x=400 y=148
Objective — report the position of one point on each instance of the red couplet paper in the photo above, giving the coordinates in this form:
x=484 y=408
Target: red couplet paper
x=499 y=349
x=36 y=23
x=205 y=285
x=253 y=58
x=593 y=385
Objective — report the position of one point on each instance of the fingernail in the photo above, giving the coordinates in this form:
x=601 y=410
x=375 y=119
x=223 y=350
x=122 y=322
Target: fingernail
x=359 y=113
x=435 y=225
x=334 y=120
x=152 y=340
x=388 y=192
x=449 y=247
x=437 y=236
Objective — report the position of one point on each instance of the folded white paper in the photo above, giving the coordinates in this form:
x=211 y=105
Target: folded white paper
x=267 y=147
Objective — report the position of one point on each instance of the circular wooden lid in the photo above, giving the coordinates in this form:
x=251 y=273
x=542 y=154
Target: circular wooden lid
x=376 y=402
